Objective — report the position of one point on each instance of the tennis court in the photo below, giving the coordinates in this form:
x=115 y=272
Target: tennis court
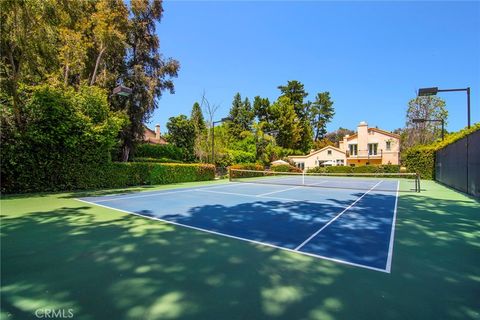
x=349 y=220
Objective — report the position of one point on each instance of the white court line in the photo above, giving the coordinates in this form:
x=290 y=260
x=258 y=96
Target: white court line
x=264 y=197
x=335 y=218
x=297 y=187
x=392 y=233
x=160 y=193
x=278 y=191
x=239 y=238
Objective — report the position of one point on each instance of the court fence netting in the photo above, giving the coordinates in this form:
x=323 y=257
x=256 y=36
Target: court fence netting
x=392 y=182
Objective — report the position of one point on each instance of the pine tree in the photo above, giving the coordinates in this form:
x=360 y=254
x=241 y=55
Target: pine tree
x=242 y=116
x=197 y=118
x=146 y=73
x=322 y=112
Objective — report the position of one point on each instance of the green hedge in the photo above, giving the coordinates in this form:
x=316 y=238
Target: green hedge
x=159 y=151
x=388 y=168
x=421 y=159
x=121 y=174
x=247 y=166
x=284 y=168
x=156 y=160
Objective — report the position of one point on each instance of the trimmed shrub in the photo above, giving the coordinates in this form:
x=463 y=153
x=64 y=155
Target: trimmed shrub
x=421 y=160
x=284 y=168
x=247 y=166
x=124 y=174
x=64 y=134
x=317 y=170
x=390 y=168
x=159 y=151
x=339 y=169
x=387 y=168
x=156 y=160
x=231 y=157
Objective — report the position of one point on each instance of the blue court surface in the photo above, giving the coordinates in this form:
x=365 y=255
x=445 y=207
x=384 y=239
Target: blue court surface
x=354 y=227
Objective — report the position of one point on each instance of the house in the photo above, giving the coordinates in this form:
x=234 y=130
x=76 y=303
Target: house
x=154 y=137
x=328 y=156
x=369 y=146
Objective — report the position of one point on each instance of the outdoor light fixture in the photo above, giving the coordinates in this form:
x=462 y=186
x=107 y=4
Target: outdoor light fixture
x=432 y=120
x=424 y=92
x=213 y=135
x=427 y=91
x=122 y=91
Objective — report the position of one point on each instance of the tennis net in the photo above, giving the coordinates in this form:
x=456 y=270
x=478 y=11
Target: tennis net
x=408 y=182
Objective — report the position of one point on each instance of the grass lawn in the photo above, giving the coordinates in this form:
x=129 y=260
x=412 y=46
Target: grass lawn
x=59 y=253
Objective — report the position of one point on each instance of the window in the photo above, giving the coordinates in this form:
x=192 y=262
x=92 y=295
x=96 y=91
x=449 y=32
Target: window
x=353 y=148
x=388 y=145
x=372 y=149
x=301 y=165
x=329 y=152
x=352 y=164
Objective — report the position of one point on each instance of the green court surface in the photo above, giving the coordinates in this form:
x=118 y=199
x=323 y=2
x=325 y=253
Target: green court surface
x=59 y=253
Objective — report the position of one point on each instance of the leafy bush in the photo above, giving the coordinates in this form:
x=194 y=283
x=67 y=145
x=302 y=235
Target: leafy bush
x=62 y=133
x=387 y=168
x=420 y=159
x=159 y=151
x=231 y=157
x=157 y=160
x=285 y=168
x=339 y=169
x=455 y=136
x=248 y=166
x=125 y=174
x=239 y=156
x=317 y=170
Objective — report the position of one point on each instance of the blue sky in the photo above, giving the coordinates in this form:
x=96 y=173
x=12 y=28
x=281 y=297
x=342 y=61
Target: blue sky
x=370 y=56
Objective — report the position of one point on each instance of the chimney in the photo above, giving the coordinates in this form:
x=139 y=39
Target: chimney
x=362 y=136
x=157 y=132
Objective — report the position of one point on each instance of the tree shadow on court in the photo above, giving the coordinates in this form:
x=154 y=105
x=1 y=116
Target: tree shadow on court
x=108 y=265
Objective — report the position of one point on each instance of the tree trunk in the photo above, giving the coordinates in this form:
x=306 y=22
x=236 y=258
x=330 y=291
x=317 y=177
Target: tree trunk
x=125 y=153
x=92 y=81
x=65 y=81
x=16 y=102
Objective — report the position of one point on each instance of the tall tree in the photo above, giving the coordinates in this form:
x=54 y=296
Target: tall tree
x=110 y=25
x=431 y=107
x=200 y=132
x=147 y=73
x=197 y=118
x=286 y=122
x=295 y=91
x=322 y=112
x=260 y=109
x=28 y=51
x=73 y=52
x=241 y=114
x=181 y=132
x=336 y=136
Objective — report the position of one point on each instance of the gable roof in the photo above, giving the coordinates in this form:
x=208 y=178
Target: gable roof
x=387 y=133
x=317 y=151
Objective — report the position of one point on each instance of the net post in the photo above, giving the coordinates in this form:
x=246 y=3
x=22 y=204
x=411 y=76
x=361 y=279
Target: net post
x=418 y=181
x=229 y=174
